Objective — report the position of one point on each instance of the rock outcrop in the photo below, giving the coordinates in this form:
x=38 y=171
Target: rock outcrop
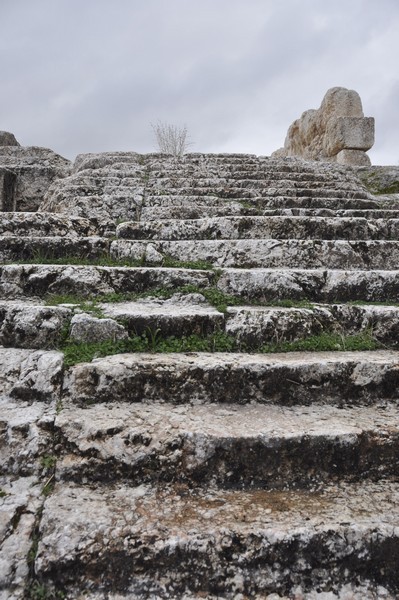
x=338 y=131
x=8 y=139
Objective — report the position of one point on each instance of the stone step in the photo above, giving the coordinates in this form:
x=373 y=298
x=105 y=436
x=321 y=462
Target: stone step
x=30 y=374
x=197 y=210
x=269 y=253
x=253 y=326
x=34 y=325
x=249 y=446
x=316 y=285
x=274 y=227
x=17 y=248
x=328 y=212
x=273 y=200
x=164 y=542
x=337 y=378
x=38 y=281
x=44 y=224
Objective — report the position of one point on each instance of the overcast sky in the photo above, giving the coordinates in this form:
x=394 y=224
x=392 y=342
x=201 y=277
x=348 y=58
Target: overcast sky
x=92 y=75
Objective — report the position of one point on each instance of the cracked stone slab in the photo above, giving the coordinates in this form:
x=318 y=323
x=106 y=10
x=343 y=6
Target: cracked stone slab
x=25 y=436
x=30 y=374
x=292 y=378
x=169 y=540
x=229 y=445
x=329 y=254
x=19 y=504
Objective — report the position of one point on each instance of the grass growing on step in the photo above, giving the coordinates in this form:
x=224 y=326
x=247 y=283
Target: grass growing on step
x=150 y=341
x=219 y=341
x=327 y=342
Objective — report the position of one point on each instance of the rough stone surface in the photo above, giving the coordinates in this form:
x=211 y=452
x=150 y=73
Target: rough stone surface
x=87 y=328
x=217 y=541
x=338 y=125
x=24 y=325
x=292 y=378
x=35 y=170
x=7 y=186
x=30 y=374
x=7 y=139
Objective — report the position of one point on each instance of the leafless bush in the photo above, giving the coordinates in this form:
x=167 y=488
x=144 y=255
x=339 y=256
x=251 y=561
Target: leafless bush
x=171 y=139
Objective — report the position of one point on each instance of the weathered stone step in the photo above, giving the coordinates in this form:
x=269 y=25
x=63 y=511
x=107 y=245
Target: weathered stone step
x=17 y=248
x=37 y=281
x=328 y=212
x=44 y=224
x=274 y=227
x=231 y=446
x=316 y=285
x=269 y=253
x=338 y=378
x=197 y=210
x=274 y=200
x=253 y=326
x=30 y=374
x=164 y=542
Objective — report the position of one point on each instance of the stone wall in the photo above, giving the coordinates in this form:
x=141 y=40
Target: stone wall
x=337 y=132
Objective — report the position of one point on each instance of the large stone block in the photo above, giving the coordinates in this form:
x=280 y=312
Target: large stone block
x=356 y=158
x=349 y=133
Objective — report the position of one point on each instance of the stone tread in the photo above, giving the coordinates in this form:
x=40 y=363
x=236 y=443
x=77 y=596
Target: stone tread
x=232 y=445
x=162 y=541
x=337 y=378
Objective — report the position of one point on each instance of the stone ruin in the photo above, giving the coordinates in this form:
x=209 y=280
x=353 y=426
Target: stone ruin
x=227 y=469
x=337 y=132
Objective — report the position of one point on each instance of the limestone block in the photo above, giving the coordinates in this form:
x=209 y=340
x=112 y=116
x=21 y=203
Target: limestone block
x=353 y=157
x=86 y=328
x=353 y=133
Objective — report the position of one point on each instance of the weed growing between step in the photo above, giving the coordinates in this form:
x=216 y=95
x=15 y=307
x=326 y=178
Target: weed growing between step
x=153 y=341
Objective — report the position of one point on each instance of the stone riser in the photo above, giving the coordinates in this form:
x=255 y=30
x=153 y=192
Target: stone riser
x=38 y=281
x=317 y=285
x=340 y=378
x=292 y=254
x=49 y=224
x=279 y=227
x=236 y=446
x=163 y=543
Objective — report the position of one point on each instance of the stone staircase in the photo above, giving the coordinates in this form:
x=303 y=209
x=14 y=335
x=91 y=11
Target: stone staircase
x=199 y=374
